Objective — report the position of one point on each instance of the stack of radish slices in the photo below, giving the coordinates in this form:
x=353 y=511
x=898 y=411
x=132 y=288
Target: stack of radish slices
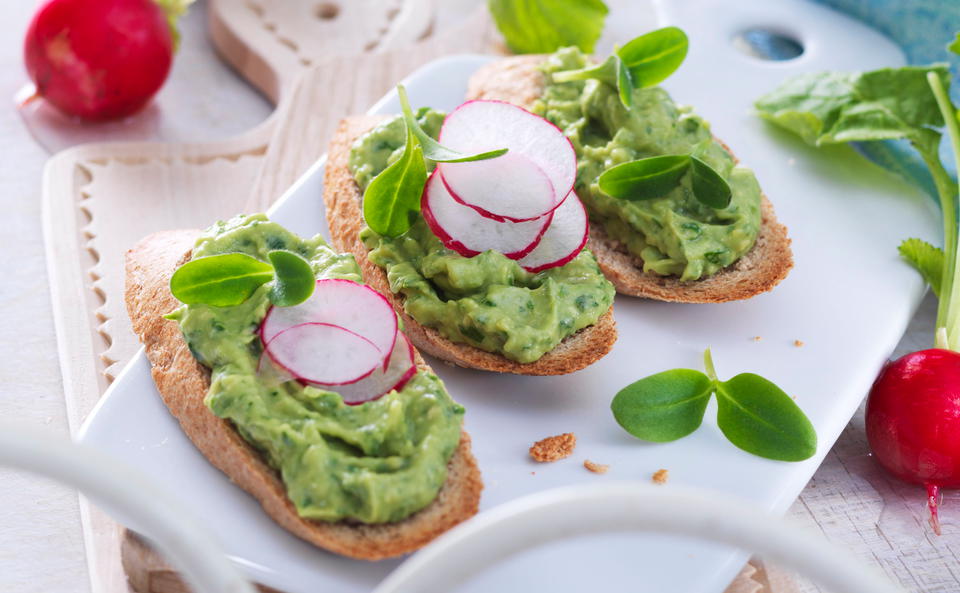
x=344 y=338
x=521 y=204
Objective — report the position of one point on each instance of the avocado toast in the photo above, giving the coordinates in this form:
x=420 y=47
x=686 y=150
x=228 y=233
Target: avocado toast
x=343 y=198
x=184 y=384
x=521 y=80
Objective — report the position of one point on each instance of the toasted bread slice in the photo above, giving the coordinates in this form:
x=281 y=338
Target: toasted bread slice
x=183 y=383
x=517 y=80
x=345 y=217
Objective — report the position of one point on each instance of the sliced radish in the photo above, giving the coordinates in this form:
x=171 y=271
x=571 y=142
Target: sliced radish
x=400 y=369
x=482 y=125
x=564 y=239
x=347 y=304
x=324 y=353
x=465 y=231
x=508 y=188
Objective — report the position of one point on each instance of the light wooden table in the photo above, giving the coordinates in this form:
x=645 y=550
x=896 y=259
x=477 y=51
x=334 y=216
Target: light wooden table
x=41 y=547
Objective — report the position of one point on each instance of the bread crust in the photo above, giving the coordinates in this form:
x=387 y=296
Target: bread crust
x=517 y=80
x=183 y=383
x=345 y=217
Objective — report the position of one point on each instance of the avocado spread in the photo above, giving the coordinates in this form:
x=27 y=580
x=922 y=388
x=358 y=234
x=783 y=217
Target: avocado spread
x=674 y=235
x=376 y=462
x=487 y=301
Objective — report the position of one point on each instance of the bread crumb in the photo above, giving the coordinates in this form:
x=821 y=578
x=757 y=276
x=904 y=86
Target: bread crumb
x=798 y=343
x=756 y=338
x=660 y=476
x=554 y=448
x=597 y=468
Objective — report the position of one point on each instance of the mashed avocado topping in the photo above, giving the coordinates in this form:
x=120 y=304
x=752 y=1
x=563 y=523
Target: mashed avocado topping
x=376 y=462
x=675 y=234
x=487 y=301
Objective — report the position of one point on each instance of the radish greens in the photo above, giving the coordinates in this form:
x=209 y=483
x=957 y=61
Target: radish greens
x=908 y=103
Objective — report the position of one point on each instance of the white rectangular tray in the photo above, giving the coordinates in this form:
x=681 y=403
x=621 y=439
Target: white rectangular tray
x=848 y=299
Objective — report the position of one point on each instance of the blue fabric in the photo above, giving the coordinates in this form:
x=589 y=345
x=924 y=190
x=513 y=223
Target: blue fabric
x=923 y=28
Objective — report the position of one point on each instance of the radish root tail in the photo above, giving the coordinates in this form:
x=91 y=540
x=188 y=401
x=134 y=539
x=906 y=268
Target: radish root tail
x=933 y=502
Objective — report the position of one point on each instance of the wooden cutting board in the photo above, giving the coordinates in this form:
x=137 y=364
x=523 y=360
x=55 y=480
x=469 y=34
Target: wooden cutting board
x=99 y=199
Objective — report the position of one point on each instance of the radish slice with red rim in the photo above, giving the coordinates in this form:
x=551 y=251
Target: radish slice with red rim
x=399 y=371
x=482 y=125
x=324 y=353
x=345 y=303
x=564 y=239
x=508 y=188
x=467 y=232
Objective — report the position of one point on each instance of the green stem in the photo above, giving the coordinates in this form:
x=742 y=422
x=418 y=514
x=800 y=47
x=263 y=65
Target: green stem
x=946 y=192
x=948 y=316
x=708 y=364
x=605 y=72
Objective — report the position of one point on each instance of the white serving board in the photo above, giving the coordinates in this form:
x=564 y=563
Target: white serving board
x=848 y=299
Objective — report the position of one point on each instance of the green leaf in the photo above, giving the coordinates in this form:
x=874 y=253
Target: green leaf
x=708 y=186
x=955 y=45
x=757 y=416
x=663 y=407
x=392 y=200
x=926 y=259
x=652 y=57
x=432 y=149
x=643 y=62
x=644 y=179
x=835 y=107
x=222 y=280
x=293 y=280
x=544 y=26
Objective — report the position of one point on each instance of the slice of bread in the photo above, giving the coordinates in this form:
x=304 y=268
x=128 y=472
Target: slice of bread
x=183 y=383
x=518 y=80
x=345 y=217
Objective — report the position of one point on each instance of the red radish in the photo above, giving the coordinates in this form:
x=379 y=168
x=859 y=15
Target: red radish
x=463 y=230
x=913 y=421
x=324 y=353
x=564 y=239
x=99 y=59
x=401 y=368
x=478 y=126
x=511 y=183
x=350 y=305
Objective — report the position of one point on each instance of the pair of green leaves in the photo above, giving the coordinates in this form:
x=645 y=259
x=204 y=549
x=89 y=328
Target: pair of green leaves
x=544 y=26
x=643 y=62
x=391 y=201
x=887 y=104
x=229 y=279
x=653 y=177
x=752 y=412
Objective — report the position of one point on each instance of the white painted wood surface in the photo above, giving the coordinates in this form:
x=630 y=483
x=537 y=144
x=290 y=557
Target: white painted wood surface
x=41 y=547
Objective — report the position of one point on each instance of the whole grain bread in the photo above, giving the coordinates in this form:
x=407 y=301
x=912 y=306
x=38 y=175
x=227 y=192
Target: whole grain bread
x=183 y=383
x=518 y=80
x=345 y=217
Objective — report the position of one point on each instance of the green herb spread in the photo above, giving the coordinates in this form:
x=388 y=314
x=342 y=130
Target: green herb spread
x=376 y=462
x=675 y=235
x=487 y=301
